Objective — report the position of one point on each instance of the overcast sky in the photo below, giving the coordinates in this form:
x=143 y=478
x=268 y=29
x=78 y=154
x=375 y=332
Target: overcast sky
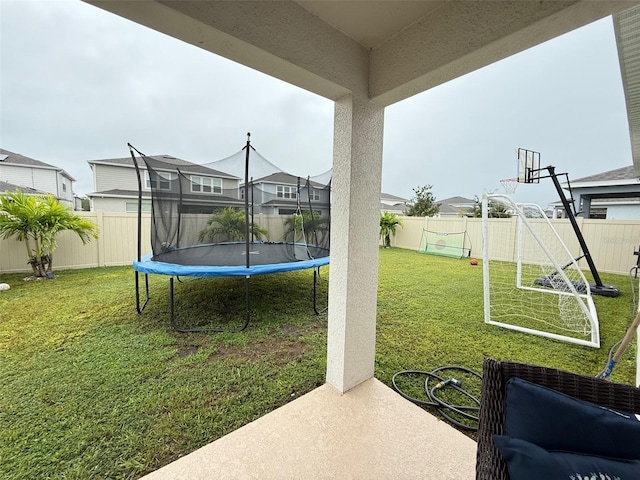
x=77 y=83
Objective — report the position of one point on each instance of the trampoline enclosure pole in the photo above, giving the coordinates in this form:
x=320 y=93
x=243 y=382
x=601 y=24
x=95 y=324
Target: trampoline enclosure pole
x=246 y=199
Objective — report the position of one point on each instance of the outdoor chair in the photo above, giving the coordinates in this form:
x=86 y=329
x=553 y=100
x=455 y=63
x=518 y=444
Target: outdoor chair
x=490 y=464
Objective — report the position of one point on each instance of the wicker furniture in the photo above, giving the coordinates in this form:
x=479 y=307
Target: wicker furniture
x=490 y=464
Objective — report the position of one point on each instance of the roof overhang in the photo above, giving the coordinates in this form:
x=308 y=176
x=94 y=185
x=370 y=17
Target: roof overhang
x=627 y=27
x=385 y=51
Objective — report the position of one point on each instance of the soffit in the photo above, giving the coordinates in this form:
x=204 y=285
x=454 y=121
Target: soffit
x=371 y=23
x=386 y=50
x=627 y=26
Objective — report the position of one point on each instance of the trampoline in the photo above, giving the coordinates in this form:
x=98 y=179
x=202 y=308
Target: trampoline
x=203 y=233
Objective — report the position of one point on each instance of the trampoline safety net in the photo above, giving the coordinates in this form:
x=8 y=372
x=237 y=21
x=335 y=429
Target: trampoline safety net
x=195 y=209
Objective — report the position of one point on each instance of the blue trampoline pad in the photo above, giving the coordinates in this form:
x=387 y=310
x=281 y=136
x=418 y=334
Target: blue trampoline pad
x=229 y=259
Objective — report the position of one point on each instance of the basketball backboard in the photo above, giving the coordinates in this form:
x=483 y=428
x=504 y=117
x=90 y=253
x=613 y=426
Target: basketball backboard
x=528 y=166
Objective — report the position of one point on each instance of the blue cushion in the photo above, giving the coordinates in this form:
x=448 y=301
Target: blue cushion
x=555 y=421
x=526 y=461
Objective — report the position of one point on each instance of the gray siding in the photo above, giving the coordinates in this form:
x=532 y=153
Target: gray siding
x=111 y=177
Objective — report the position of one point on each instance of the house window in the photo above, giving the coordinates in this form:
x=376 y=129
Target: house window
x=206 y=184
x=285 y=191
x=64 y=186
x=132 y=207
x=314 y=195
x=598 y=213
x=163 y=181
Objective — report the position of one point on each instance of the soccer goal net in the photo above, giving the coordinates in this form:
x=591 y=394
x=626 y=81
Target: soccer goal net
x=532 y=282
x=455 y=245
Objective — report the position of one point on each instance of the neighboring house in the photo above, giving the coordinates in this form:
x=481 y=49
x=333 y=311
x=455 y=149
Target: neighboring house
x=614 y=194
x=393 y=204
x=456 y=207
x=277 y=194
x=116 y=185
x=28 y=173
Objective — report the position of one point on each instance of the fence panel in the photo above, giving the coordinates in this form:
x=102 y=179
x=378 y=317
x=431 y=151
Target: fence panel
x=409 y=234
x=611 y=242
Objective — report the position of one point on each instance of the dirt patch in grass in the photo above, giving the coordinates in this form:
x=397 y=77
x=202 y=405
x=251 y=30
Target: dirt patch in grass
x=187 y=350
x=285 y=345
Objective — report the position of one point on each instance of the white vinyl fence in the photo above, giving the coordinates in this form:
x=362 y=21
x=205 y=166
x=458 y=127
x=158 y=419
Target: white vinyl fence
x=611 y=242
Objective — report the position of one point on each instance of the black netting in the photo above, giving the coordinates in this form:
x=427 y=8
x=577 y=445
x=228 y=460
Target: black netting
x=194 y=206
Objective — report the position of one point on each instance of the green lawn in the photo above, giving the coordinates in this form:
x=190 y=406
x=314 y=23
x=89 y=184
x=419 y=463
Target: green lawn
x=91 y=389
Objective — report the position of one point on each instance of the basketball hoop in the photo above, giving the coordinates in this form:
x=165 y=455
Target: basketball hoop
x=509 y=185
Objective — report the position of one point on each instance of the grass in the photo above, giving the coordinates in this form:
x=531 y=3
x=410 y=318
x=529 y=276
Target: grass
x=432 y=314
x=91 y=389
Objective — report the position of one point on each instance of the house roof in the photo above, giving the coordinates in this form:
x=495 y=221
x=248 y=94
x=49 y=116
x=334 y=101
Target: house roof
x=388 y=196
x=205 y=198
x=18 y=159
x=393 y=208
x=116 y=192
x=624 y=173
x=453 y=205
x=393 y=203
x=286 y=179
x=178 y=162
x=286 y=202
x=10 y=187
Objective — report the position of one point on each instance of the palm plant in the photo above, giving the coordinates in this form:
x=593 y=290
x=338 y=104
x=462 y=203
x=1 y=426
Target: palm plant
x=315 y=226
x=37 y=220
x=388 y=224
x=228 y=224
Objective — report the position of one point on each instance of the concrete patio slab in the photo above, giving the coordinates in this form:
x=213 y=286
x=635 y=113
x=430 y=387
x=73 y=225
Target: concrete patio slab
x=370 y=432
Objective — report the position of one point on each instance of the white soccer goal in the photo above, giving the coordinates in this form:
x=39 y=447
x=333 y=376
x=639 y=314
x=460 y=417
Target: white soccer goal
x=532 y=282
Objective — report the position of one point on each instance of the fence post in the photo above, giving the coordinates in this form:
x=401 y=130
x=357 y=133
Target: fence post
x=102 y=261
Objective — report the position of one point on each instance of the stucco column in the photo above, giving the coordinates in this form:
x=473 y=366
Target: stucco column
x=355 y=224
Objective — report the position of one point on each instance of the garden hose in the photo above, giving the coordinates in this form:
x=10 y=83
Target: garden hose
x=445 y=409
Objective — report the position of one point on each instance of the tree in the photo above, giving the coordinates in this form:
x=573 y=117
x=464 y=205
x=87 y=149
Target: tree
x=37 y=220
x=228 y=224
x=388 y=224
x=424 y=203
x=494 y=209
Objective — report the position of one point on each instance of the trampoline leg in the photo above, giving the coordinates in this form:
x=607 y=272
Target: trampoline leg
x=316 y=274
x=171 y=315
x=180 y=329
x=139 y=307
x=247 y=318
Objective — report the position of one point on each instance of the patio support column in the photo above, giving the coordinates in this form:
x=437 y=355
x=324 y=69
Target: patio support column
x=355 y=225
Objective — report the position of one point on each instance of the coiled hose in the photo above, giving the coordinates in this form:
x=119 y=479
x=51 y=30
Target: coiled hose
x=462 y=416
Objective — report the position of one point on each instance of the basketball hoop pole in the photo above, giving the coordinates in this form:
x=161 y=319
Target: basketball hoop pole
x=599 y=288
